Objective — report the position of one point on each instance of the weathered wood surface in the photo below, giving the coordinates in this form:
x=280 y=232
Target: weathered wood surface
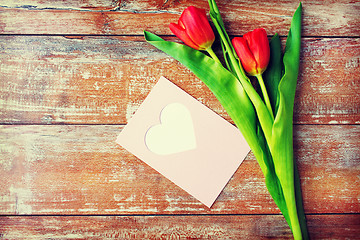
x=73 y=72
x=102 y=80
x=81 y=170
x=321 y=18
x=174 y=227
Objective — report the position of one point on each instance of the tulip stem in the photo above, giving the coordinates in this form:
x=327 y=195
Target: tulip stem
x=213 y=55
x=265 y=94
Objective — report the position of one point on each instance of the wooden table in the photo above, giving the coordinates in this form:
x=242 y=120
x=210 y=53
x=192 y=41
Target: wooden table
x=72 y=73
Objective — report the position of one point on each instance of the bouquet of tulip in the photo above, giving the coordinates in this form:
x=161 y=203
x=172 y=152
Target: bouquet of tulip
x=265 y=118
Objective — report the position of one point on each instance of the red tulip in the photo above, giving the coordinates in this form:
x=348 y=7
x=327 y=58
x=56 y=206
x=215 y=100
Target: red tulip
x=194 y=29
x=253 y=50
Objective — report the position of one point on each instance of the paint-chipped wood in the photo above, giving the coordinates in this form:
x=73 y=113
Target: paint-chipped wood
x=326 y=18
x=103 y=80
x=175 y=227
x=86 y=63
x=40 y=5
x=81 y=170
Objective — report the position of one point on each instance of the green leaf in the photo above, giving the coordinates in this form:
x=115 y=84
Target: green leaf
x=271 y=180
x=281 y=144
x=283 y=124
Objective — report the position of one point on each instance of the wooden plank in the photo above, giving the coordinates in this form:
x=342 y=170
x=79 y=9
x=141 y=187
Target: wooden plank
x=321 y=18
x=103 y=80
x=175 y=227
x=90 y=5
x=81 y=170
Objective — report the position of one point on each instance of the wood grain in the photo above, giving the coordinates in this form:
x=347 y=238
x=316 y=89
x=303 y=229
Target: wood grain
x=103 y=80
x=68 y=68
x=175 y=227
x=321 y=18
x=81 y=170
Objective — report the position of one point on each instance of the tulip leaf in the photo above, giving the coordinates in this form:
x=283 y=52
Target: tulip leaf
x=271 y=180
x=281 y=144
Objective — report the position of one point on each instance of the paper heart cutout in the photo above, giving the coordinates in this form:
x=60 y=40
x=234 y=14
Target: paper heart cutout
x=174 y=134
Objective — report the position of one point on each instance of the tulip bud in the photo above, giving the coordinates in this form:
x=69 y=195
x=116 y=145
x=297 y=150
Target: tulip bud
x=194 y=29
x=253 y=50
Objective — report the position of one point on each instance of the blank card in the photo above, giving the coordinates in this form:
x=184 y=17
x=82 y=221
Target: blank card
x=185 y=141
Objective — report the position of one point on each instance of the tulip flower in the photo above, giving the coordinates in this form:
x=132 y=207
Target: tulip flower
x=194 y=29
x=254 y=52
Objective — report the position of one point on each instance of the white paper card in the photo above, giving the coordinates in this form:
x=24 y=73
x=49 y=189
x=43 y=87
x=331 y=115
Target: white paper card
x=185 y=141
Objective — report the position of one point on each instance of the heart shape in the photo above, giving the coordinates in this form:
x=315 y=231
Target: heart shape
x=174 y=134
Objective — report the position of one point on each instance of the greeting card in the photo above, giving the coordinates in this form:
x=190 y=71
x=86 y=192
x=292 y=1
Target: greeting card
x=185 y=141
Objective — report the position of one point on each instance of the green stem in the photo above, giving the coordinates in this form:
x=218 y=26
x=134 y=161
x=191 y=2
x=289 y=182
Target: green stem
x=289 y=194
x=234 y=62
x=299 y=203
x=213 y=55
x=265 y=94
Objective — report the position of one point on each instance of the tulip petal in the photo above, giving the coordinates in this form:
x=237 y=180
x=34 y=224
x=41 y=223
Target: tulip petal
x=246 y=56
x=180 y=33
x=197 y=27
x=259 y=46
